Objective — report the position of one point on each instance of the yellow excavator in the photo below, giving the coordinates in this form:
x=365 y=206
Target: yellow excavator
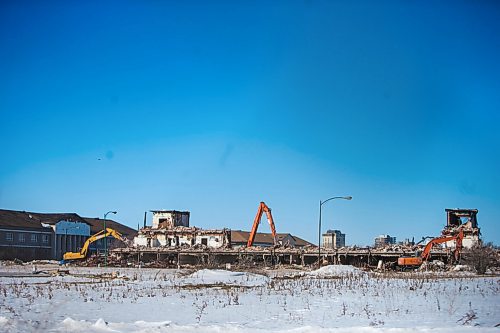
x=101 y=234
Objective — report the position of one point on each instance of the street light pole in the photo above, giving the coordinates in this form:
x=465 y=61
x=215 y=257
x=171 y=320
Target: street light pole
x=106 y=239
x=319 y=224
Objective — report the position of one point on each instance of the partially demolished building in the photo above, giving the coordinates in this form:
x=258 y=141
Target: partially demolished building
x=465 y=220
x=170 y=219
x=170 y=228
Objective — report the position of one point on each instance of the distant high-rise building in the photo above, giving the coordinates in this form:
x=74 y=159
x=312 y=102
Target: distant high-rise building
x=333 y=239
x=384 y=240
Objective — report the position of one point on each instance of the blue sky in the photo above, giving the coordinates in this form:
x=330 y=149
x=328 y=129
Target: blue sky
x=213 y=108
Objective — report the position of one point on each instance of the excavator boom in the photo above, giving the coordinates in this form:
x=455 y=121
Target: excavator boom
x=262 y=208
x=101 y=234
x=426 y=253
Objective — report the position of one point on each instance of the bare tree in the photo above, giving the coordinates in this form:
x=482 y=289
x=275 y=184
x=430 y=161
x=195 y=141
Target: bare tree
x=482 y=257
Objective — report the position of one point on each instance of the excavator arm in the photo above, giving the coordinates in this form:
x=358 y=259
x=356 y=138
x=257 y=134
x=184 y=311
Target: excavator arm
x=262 y=208
x=101 y=234
x=458 y=245
x=426 y=253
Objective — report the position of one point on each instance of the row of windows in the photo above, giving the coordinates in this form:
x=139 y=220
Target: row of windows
x=9 y=236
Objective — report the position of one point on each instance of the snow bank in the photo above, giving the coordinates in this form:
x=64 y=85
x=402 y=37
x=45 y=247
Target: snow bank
x=462 y=268
x=219 y=276
x=100 y=325
x=336 y=271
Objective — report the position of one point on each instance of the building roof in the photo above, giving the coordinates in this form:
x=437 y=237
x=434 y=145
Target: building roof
x=22 y=219
x=298 y=241
x=239 y=236
x=97 y=224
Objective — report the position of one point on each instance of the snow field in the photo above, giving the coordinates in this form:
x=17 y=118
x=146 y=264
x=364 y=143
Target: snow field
x=227 y=278
x=159 y=300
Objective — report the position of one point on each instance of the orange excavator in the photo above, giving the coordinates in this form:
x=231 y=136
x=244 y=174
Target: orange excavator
x=426 y=253
x=262 y=208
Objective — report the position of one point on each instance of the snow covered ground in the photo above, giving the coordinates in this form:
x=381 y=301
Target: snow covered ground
x=332 y=299
x=218 y=277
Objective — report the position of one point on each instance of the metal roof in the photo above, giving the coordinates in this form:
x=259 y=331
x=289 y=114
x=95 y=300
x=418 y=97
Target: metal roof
x=97 y=224
x=23 y=219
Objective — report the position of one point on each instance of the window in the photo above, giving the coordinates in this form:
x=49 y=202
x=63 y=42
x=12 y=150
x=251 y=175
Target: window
x=21 y=238
x=34 y=238
x=9 y=237
x=45 y=238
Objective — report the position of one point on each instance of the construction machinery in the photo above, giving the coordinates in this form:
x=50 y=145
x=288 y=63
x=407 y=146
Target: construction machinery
x=426 y=253
x=262 y=208
x=101 y=234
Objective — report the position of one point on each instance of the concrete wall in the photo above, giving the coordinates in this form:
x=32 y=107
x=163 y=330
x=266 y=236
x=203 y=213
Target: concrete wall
x=213 y=241
x=467 y=243
x=170 y=219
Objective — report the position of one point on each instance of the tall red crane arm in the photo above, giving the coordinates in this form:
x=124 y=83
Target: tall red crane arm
x=262 y=208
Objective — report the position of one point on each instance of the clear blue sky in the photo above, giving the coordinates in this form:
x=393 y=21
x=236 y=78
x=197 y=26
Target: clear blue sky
x=212 y=108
